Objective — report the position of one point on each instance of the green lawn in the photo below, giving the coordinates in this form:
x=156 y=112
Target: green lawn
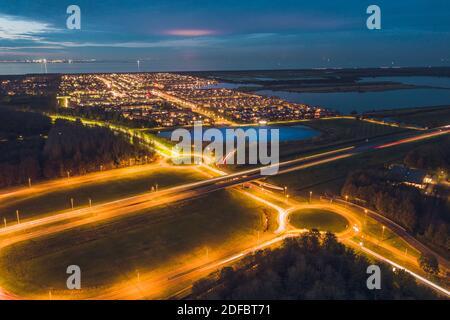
x=112 y=251
x=335 y=132
x=330 y=177
x=375 y=229
x=322 y=220
x=429 y=117
x=101 y=191
x=351 y=129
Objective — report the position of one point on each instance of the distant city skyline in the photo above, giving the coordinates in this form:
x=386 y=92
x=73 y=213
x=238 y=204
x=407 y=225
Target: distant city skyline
x=211 y=35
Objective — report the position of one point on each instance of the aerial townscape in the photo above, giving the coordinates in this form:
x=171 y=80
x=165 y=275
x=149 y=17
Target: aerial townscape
x=116 y=184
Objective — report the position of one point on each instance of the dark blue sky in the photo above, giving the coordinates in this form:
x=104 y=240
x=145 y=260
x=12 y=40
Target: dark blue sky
x=230 y=34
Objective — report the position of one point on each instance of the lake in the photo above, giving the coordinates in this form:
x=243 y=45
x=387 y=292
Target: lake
x=346 y=102
x=286 y=133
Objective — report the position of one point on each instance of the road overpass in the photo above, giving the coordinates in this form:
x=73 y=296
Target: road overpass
x=196 y=189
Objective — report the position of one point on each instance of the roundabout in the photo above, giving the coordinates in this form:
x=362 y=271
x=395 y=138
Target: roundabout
x=323 y=217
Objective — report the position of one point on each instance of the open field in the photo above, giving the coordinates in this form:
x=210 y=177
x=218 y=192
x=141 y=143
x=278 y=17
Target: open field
x=322 y=220
x=335 y=132
x=343 y=129
x=427 y=117
x=329 y=178
x=163 y=238
x=375 y=229
x=123 y=184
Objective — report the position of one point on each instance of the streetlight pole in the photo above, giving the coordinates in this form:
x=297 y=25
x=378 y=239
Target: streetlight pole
x=29 y=182
x=18 y=216
x=310 y=196
x=71 y=202
x=90 y=202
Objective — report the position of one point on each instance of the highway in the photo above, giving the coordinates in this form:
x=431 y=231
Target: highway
x=64 y=221
x=401 y=232
x=195 y=189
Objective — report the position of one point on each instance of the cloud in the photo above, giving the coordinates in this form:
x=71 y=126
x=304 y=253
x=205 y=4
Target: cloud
x=137 y=44
x=16 y=28
x=190 y=32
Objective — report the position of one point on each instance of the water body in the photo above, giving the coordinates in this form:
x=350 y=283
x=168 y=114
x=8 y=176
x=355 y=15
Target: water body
x=87 y=67
x=286 y=133
x=346 y=102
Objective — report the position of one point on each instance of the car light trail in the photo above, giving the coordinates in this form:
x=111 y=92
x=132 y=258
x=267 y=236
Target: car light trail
x=415 y=275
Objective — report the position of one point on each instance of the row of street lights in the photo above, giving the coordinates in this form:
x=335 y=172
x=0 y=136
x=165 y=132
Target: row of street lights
x=18 y=212
x=17 y=218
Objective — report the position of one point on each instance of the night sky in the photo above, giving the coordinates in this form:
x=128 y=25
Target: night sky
x=230 y=34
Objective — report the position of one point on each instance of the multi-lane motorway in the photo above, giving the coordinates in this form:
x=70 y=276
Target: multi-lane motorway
x=191 y=190
x=63 y=221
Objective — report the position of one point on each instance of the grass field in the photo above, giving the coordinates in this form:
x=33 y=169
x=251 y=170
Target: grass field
x=322 y=220
x=427 y=117
x=345 y=129
x=116 y=187
x=335 y=133
x=111 y=252
x=374 y=228
x=330 y=177
x=339 y=131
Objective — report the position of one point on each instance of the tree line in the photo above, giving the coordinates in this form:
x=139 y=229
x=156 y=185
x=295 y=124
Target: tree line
x=78 y=149
x=111 y=116
x=312 y=266
x=420 y=214
x=31 y=147
x=433 y=156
